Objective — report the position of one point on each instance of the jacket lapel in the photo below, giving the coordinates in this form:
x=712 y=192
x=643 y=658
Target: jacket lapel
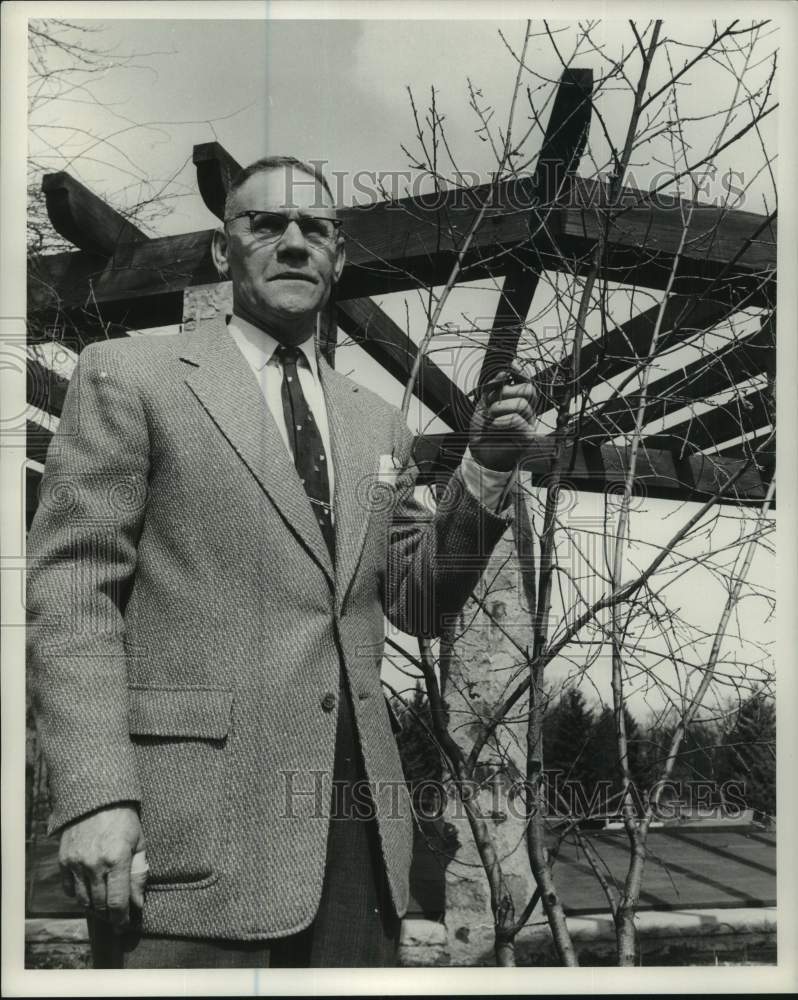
x=355 y=465
x=219 y=376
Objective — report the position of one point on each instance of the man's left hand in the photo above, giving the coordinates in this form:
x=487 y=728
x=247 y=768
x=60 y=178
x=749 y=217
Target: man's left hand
x=503 y=424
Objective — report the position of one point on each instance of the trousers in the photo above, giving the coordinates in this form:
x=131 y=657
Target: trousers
x=356 y=925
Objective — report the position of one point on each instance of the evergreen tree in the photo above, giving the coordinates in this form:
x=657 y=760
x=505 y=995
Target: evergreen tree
x=695 y=764
x=566 y=734
x=748 y=754
x=419 y=753
x=602 y=752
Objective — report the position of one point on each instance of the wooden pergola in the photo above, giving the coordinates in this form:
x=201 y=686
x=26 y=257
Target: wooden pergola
x=117 y=279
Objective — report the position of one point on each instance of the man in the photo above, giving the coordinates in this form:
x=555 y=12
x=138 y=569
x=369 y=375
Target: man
x=208 y=579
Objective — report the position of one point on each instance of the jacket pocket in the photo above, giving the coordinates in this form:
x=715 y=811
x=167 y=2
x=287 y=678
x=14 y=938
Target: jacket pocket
x=180 y=735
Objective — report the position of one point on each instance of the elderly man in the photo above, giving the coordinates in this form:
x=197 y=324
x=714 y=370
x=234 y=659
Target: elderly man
x=209 y=575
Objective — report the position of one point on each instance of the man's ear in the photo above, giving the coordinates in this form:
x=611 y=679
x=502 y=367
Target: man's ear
x=219 y=252
x=340 y=260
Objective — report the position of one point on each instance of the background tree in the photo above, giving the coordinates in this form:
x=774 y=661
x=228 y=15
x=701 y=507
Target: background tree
x=747 y=753
x=568 y=735
x=694 y=763
x=603 y=753
x=420 y=753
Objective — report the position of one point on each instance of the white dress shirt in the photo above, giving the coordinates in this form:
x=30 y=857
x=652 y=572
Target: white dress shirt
x=490 y=487
x=258 y=348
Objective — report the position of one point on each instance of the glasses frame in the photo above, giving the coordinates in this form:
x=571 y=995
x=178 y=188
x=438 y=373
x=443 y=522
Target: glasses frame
x=337 y=225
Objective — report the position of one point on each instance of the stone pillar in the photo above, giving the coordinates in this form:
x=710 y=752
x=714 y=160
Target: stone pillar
x=481 y=673
x=201 y=302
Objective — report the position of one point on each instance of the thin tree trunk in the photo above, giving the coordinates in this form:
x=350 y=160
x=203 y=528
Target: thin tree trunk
x=534 y=802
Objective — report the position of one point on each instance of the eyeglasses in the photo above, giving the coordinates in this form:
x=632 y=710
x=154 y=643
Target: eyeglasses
x=266 y=227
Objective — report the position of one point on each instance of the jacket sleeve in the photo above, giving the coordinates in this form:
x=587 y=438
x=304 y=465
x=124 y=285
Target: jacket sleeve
x=81 y=556
x=435 y=559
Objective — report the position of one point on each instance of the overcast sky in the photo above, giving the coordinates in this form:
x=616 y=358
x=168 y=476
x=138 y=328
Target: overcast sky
x=337 y=91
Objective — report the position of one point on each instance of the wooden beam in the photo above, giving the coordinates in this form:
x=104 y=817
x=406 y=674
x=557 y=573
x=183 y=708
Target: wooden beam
x=388 y=344
x=742 y=415
x=33 y=479
x=561 y=150
x=216 y=169
x=61 y=292
x=403 y=245
x=745 y=448
x=515 y=300
x=38 y=441
x=566 y=133
x=761 y=446
x=87 y=221
x=46 y=389
x=626 y=344
x=645 y=231
x=692 y=383
x=660 y=473
x=392 y=246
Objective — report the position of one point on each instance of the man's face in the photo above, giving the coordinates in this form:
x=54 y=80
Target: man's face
x=280 y=284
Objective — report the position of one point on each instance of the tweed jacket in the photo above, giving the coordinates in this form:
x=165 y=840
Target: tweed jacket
x=187 y=628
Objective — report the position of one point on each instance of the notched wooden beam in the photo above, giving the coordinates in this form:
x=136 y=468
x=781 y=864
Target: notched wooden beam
x=391 y=247
x=46 y=389
x=216 y=169
x=660 y=472
x=83 y=218
x=38 y=441
x=560 y=152
x=33 y=480
x=566 y=133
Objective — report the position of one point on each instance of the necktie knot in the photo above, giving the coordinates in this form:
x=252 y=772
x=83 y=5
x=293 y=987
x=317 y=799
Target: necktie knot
x=288 y=356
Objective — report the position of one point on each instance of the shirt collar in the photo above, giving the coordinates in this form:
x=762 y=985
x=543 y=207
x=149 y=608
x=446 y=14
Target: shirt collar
x=258 y=346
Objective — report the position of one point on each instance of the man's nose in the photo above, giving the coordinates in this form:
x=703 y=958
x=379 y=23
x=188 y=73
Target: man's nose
x=293 y=239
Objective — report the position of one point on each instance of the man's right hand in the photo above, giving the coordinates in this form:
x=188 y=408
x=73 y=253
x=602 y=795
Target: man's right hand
x=95 y=857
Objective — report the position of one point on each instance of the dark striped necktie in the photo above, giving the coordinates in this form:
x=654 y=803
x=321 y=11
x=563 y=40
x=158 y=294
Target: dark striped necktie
x=306 y=443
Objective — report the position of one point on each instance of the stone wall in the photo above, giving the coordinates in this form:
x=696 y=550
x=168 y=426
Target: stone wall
x=690 y=937
x=206 y=301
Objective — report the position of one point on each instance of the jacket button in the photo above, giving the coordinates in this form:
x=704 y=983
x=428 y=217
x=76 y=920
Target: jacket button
x=328 y=702
x=363 y=695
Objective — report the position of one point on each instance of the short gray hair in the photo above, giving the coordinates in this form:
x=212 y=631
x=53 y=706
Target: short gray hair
x=266 y=163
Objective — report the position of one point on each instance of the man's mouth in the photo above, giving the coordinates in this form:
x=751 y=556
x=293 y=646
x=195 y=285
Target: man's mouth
x=293 y=276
